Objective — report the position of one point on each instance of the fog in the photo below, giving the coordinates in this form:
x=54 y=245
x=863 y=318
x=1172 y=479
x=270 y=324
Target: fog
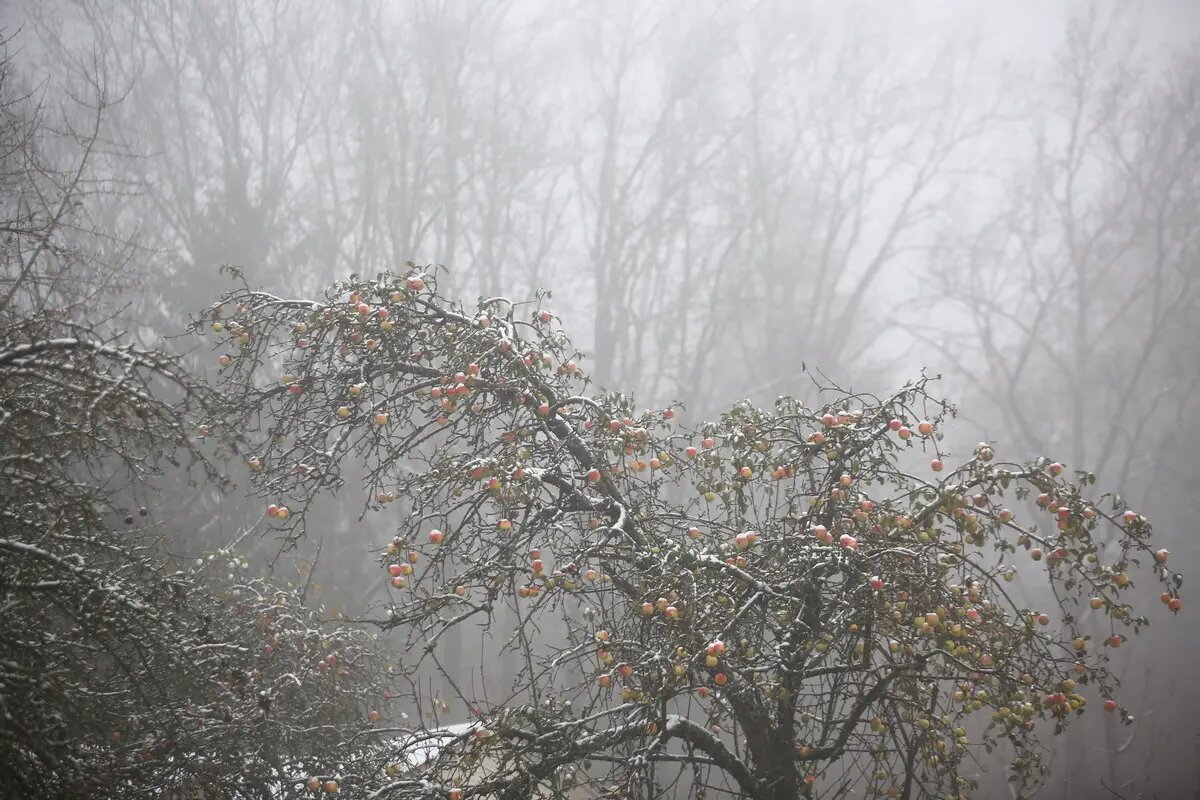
x=722 y=198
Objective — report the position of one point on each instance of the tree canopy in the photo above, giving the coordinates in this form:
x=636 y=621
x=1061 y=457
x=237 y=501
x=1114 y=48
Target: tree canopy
x=125 y=671
x=781 y=602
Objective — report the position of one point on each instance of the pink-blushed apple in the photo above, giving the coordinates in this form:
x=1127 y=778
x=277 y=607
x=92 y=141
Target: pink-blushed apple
x=936 y=465
x=924 y=427
x=436 y=536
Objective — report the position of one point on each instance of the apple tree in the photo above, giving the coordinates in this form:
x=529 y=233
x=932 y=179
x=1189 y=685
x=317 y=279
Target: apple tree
x=783 y=602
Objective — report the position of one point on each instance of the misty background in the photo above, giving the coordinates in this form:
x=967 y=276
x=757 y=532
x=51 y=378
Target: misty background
x=721 y=196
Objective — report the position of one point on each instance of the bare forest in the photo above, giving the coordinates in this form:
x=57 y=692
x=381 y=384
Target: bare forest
x=503 y=398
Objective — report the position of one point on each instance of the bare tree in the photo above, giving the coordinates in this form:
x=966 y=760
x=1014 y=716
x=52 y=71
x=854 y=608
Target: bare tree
x=1083 y=283
x=124 y=672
